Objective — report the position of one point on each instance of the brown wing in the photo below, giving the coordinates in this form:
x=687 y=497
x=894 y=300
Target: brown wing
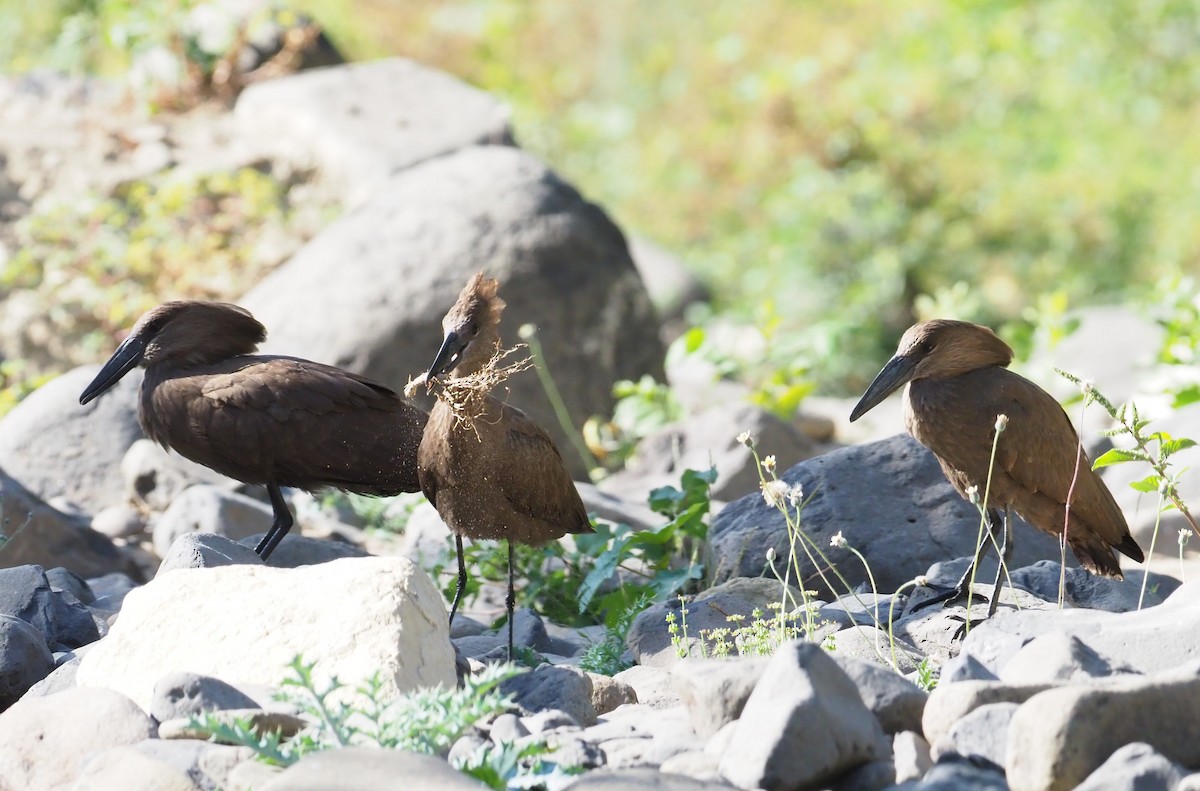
x=532 y=476
x=1036 y=458
x=314 y=425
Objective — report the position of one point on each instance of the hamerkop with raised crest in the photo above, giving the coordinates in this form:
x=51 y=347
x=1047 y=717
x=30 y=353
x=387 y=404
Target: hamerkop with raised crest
x=491 y=472
x=268 y=420
x=958 y=386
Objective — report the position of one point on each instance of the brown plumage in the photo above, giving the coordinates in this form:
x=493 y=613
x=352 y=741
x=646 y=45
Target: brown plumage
x=269 y=420
x=490 y=471
x=958 y=384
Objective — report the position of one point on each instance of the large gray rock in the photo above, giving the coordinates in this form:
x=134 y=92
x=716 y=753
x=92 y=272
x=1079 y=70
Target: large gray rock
x=803 y=724
x=715 y=691
x=403 y=257
x=707 y=439
x=205 y=550
x=981 y=735
x=363 y=122
x=1135 y=767
x=155 y=476
x=57 y=448
x=637 y=779
x=1094 y=593
x=126 y=767
x=48 y=740
x=355 y=768
x=24 y=659
x=25 y=593
x=184 y=694
x=41 y=535
x=1054 y=658
x=1059 y=737
x=1148 y=641
x=210 y=509
x=553 y=687
x=894 y=700
x=949 y=703
x=671 y=285
x=891 y=502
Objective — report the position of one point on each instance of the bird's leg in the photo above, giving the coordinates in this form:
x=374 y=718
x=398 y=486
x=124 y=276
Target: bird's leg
x=1006 y=550
x=462 y=577
x=281 y=525
x=510 y=600
x=963 y=586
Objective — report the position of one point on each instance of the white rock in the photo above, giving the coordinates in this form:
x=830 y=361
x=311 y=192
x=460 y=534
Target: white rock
x=245 y=623
x=47 y=740
x=205 y=508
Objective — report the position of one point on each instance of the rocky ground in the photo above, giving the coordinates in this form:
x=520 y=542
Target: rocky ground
x=131 y=599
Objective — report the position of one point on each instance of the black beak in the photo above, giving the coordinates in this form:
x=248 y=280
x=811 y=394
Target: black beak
x=124 y=359
x=897 y=373
x=447 y=356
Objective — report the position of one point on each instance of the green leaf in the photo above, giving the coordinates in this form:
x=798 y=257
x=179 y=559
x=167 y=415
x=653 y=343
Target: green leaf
x=1116 y=456
x=1147 y=484
x=1171 y=446
x=605 y=567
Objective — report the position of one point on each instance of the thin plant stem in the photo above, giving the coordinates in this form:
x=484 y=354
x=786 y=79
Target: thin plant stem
x=529 y=335
x=1153 y=540
x=1062 y=541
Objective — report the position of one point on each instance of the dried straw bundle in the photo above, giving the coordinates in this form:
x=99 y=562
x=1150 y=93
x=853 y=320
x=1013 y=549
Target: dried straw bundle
x=464 y=394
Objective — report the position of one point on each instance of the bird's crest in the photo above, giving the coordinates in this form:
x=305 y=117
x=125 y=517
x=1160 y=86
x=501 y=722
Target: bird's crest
x=478 y=302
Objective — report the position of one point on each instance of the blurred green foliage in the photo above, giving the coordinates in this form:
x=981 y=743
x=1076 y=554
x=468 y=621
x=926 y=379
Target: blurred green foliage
x=84 y=271
x=847 y=165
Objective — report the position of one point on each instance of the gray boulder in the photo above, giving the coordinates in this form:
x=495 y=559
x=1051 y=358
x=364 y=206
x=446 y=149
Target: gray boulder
x=710 y=438
x=891 y=502
x=210 y=509
x=895 y=701
x=671 y=285
x=205 y=550
x=296 y=550
x=183 y=694
x=363 y=122
x=553 y=687
x=25 y=593
x=642 y=778
x=1135 y=767
x=57 y=448
x=1094 y=593
x=803 y=724
x=715 y=691
x=24 y=659
x=403 y=257
x=38 y=534
x=982 y=735
x=355 y=768
x=155 y=476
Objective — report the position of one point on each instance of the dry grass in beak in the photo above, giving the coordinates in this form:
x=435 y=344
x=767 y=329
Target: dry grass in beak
x=464 y=394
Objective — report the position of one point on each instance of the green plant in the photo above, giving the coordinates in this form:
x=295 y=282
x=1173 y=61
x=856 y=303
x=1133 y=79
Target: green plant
x=83 y=272
x=385 y=514
x=1154 y=448
x=426 y=720
x=512 y=765
x=927 y=675
x=642 y=408
x=761 y=635
x=607 y=656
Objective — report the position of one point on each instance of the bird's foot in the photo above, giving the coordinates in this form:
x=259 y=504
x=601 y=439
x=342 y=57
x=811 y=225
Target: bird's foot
x=948 y=595
x=966 y=625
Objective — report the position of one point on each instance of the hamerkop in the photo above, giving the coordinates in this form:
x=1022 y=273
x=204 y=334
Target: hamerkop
x=268 y=420
x=958 y=386
x=490 y=471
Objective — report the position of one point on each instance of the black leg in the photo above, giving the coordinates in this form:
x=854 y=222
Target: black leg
x=963 y=587
x=1006 y=550
x=462 y=577
x=281 y=526
x=510 y=600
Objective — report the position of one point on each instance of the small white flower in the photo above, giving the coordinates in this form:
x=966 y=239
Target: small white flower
x=795 y=495
x=838 y=540
x=1087 y=386
x=527 y=331
x=769 y=463
x=744 y=438
x=1001 y=423
x=922 y=581
x=771 y=554
x=775 y=493
x=973 y=494
x=1184 y=535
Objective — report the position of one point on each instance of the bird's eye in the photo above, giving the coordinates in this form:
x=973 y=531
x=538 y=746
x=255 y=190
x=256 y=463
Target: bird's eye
x=474 y=327
x=927 y=346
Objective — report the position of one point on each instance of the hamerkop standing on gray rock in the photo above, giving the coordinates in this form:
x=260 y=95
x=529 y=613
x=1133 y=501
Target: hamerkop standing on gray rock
x=268 y=420
x=490 y=471
x=958 y=386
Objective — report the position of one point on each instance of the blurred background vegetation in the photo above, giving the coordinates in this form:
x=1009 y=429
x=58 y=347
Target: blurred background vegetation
x=832 y=170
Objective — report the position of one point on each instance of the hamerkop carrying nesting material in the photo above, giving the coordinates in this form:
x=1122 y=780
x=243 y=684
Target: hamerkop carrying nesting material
x=268 y=420
x=958 y=385
x=490 y=471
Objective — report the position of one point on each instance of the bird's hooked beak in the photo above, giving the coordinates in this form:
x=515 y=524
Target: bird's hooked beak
x=124 y=359
x=897 y=373
x=447 y=356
